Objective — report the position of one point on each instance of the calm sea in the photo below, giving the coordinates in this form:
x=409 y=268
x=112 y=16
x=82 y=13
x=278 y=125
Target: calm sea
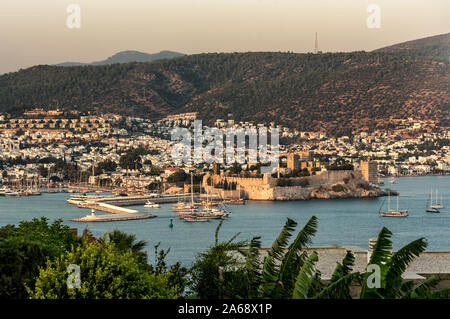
x=343 y=222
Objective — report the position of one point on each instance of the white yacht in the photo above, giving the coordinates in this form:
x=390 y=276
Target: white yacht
x=150 y=204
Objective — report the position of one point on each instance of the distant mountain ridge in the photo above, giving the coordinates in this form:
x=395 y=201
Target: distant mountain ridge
x=332 y=92
x=434 y=46
x=129 y=56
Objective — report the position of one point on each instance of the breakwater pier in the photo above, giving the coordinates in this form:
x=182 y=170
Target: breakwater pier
x=112 y=217
x=114 y=205
x=141 y=200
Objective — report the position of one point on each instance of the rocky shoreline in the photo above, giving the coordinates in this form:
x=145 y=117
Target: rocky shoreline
x=339 y=191
x=351 y=193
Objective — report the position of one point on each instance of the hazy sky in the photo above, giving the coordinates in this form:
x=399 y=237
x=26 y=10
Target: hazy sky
x=35 y=31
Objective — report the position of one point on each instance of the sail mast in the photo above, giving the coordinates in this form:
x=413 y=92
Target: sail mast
x=389 y=201
x=192 y=188
x=431 y=197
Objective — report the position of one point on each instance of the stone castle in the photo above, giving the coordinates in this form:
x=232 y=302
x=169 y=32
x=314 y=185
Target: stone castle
x=266 y=187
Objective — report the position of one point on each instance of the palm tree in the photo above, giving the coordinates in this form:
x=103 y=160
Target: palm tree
x=278 y=276
x=392 y=266
x=125 y=242
x=216 y=274
x=293 y=274
x=341 y=279
x=290 y=272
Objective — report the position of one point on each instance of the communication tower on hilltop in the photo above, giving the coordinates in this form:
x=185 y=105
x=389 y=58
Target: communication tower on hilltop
x=316 y=47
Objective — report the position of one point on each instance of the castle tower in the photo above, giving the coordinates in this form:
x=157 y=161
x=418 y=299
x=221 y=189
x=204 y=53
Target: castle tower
x=293 y=161
x=369 y=171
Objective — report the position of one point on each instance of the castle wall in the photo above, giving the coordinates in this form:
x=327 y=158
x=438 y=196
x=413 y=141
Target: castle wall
x=244 y=182
x=265 y=188
x=259 y=193
x=314 y=180
x=338 y=176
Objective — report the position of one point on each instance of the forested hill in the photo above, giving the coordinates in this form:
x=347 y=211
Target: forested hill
x=336 y=92
x=435 y=46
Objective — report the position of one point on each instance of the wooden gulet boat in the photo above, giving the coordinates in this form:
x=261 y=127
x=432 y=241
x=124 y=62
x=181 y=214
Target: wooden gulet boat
x=393 y=213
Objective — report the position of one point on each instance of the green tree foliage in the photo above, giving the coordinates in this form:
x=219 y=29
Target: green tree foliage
x=20 y=260
x=154 y=186
x=338 y=188
x=289 y=271
x=127 y=242
x=25 y=248
x=105 y=166
x=43 y=171
x=392 y=266
x=58 y=237
x=435 y=46
x=214 y=274
x=131 y=160
x=105 y=274
x=178 y=176
x=176 y=274
x=69 y=171
x=235 y=169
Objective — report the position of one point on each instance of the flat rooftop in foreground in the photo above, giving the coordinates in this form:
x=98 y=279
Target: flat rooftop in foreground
x=425 y=265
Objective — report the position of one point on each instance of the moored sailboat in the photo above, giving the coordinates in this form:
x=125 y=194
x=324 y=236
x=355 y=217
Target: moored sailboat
x=393 y=213
x=437 y=205
x=433 y=208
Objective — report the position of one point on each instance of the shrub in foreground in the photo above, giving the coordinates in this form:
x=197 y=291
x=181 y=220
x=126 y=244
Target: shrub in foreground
x=105 y=274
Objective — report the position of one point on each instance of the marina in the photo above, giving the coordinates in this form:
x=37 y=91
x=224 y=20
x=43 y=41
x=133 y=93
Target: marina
x=341 y=222
x=113 y=204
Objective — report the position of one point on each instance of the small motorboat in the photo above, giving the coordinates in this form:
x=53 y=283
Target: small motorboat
x=12 y=194
x=432 y=210
x=150 y=204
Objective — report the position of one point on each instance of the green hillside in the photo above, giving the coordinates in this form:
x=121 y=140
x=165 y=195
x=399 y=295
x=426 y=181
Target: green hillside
x=336 y=92
x=435 y=46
